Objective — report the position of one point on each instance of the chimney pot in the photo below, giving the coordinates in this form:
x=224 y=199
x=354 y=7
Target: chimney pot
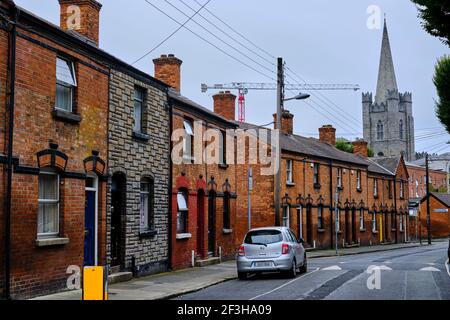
x=287 y=122
x=168 y=70
x=225 y=105
x=327 y=134
x=82 y=16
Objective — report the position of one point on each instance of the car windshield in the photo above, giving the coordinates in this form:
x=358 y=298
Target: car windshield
x=263 y=237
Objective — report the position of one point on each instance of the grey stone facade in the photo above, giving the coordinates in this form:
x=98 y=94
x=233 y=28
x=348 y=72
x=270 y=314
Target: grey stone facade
x=388 y=121
x=137 y=158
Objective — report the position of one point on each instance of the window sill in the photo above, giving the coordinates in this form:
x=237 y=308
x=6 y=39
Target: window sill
x=340 y=188
x=362 y=230
x=143 y=234
x=394 y=230
x=183 y=236
x=290 y=184
x=321 y=230
x=317 y=186
x=401 y=231
x=141 y=136
x=223 y=166
x=374 y=232
x=49 y=242
x=66 y=116
x=375 y=197
x=359 y=190
x=227 y=231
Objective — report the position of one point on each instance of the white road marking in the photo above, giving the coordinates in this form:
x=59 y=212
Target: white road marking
x=382 y=268
x=431 y=264
x=332 y=268
x=430 y=269
x=284 y=285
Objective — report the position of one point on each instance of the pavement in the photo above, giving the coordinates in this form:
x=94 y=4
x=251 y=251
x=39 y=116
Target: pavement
x=190 y=281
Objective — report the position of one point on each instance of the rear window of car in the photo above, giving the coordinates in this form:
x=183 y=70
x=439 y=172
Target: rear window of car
x=263 y=237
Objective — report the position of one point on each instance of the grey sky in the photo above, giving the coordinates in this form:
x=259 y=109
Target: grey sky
x=323 y=41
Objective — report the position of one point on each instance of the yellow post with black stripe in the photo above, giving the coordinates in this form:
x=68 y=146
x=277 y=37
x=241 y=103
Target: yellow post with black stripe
x=95 y=283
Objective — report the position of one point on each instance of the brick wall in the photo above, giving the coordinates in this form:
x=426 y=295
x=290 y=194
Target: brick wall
x=440 y=221
x=195 y=177
x=39 y=270
x=139 y=159
x=417 y=181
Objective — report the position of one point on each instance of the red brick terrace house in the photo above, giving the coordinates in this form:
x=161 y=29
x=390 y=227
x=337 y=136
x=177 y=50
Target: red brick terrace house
x=439 y=216
x=54 y=147
x=372 y=206
x=204 y=197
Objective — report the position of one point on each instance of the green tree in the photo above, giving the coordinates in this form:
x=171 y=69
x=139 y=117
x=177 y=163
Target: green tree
x=435 y=15
x=344 y=145
x=442 y=82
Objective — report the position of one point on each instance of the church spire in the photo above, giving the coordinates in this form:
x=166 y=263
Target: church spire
x=386 y=73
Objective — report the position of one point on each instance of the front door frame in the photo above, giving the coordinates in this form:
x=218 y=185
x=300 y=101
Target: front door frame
x=212 y=198
x=94 y=189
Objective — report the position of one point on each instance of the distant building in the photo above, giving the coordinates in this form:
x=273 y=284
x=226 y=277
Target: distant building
x=441 y=162
x=388 y=120
x=417 y=180
x=439 y=216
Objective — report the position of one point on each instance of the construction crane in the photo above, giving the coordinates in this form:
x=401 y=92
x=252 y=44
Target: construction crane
x=244 y=87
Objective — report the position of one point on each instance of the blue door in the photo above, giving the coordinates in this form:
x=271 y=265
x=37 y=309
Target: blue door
x=89 y=229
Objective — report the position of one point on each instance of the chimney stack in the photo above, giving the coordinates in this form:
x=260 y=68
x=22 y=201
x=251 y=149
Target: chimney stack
x=360 y=147
x=225 y=105
x=287 y=122
x=327 y=134
x=82 y=16
x=168 y=70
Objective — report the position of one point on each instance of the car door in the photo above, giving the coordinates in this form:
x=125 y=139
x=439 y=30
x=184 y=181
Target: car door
x=299 y=251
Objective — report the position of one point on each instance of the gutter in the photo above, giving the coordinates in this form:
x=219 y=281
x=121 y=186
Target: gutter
x=12 y=39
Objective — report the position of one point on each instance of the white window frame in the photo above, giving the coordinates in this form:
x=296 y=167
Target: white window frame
x=138 y=127
x=184 y=211
x=320 y=217
x=187 y=145
x=361 y=219
x=289 y=171
x=95 y=189
x=358 y=179
x=339 y=177
x=401 y=222
x=338 y=220
x=374 y=222
x=402 y=189
x=316 y=173
x=65 y=84
x=143 y=226
x=375 y=187
x=48 y=201
x=286 y=216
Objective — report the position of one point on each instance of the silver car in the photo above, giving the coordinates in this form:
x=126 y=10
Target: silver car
x=274 y=249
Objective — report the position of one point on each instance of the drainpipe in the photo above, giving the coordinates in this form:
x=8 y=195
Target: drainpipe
x=331 y=204
x=9 y=165
x=395 y=205
x=169 y=250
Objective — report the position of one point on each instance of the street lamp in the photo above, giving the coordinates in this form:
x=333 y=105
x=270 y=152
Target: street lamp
x=280 y=101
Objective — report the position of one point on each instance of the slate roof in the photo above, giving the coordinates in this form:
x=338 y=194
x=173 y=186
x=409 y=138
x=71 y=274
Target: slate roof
x=442 y=197
x=390 y=163
x=173 y=94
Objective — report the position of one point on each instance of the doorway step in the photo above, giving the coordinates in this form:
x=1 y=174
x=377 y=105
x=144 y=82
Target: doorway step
x=207 y=262
x=116 y=276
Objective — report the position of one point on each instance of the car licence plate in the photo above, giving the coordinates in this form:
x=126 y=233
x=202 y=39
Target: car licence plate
x=263 y=264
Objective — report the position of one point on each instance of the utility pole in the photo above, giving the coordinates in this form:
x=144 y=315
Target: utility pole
x=428 y=197
x=280 y=100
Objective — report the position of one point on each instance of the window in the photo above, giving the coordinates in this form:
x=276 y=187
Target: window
x=380 y=130
x=226 y=211
x=361 y=219
x=48 y=216
x=401 y=222
x=286 y=214
x=289 y=171
x=65 y=84
x=401 y=129
x=390 y=189
x=316 y=174
x=263 y=237
x=188 y=141
x=320 y=218
x=138 y=109
x=374 y=222
x=393 y=226
x=223 y=148
x=402 y=190
x=182 y=213
x=146 y=204
x=358 y=179
x=339 y=177
x=375 y=188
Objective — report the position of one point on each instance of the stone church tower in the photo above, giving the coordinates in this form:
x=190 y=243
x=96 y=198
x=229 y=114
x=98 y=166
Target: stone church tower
x=388 y=121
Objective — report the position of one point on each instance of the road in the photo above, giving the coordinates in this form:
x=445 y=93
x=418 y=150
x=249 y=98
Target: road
x=407 y=274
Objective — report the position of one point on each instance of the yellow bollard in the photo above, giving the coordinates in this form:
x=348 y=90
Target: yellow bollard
x=95 y=283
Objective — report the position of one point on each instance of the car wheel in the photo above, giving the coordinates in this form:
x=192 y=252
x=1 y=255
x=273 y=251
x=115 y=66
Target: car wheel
x=242 y=275
x=304 y=267
x=293 y=272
